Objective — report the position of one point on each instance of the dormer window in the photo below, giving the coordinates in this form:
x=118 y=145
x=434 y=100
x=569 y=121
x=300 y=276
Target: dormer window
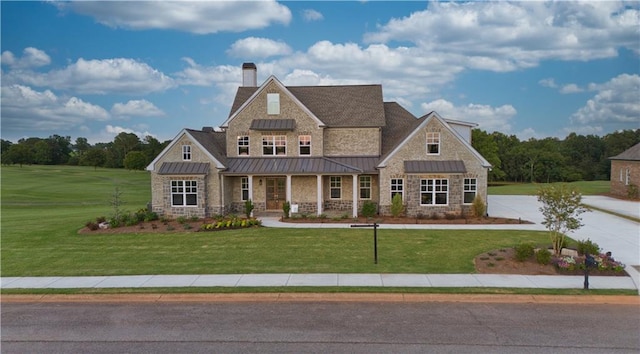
x=433 y=143
x=273 y=103
x=186 y=152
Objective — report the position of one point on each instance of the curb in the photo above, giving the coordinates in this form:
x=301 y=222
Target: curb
x=322 y=297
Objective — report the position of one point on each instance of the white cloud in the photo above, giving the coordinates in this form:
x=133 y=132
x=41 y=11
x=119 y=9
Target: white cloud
x=502 y=36
x=201 y=17
x=253 y=47
x=488 y=118
x=571 y=88
x=138 y=108
x=112 y=131
x=548 y=82
x=31 y=58
x=24 y=109
x=119 y=75
x=616 y=102
x=311 y=15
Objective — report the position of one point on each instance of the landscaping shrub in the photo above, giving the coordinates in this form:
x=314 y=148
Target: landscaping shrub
x=543 y=256
x=368 y=209
x=397 y=208
x=181 y=219
x=524 y=251
x=91 y=225
x=248 y=208
x=286 y=208
x=478 y=207
x=588 y=246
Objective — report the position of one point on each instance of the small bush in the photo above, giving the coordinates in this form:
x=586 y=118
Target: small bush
x=397 y=207
x=368 y=209
x=543 y=256
x=588 y=246
x=181 y=219
x=524 y=251
x=479 y=207
x=286 y=208
x=248 y=208
x=151 y=216
x=632 y=191
x=91 y=225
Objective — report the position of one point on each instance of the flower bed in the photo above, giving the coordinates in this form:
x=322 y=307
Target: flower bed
x=576 y=265
x=230 y=223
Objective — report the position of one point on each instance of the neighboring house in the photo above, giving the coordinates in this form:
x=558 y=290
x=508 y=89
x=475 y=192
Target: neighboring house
x=322 y=149
x=625 y=173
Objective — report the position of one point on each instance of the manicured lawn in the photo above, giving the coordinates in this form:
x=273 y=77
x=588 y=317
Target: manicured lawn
x=44 y=206
x=585 y=187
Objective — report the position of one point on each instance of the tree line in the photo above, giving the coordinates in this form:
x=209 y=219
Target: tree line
x=126 y=150
x=574 y=158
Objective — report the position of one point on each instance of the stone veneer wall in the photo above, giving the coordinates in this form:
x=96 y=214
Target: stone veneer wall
x=415 y=149
x=619 y=168
x=352 y=141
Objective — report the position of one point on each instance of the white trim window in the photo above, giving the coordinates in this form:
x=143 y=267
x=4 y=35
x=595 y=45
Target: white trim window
x=304 y=144
x=470 y=187
x=397 y=187
x=273 y=103
x=433 y=143
x=243 y=145
x=627 y=177
x=621 y=175
x=244 y=189
x=335 y=187
x=274 y=145
x=365 y=187
x=186 y=152
x=184 y=193
x=434 y=191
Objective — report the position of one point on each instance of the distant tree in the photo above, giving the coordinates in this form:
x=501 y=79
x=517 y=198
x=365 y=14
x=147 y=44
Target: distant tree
x=94 y=157
x=5 y=145
x=42 y=153
x=81 y=146
x=123 y=143
x=488 y=148
x=18 y=153
x=135 y=160
x=561 y=209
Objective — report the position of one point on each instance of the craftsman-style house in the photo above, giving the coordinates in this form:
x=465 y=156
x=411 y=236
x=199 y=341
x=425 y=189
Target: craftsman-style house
x=322 y=149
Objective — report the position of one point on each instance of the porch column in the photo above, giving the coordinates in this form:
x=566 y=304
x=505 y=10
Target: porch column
x=251 y=187
x=289 y=193
x=319 y=193
x=355 y=196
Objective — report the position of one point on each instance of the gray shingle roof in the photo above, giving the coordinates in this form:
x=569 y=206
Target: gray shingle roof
x=454 y=166
x=214 y=142
x=631 y=154
x=287 y=165
x=400 y=123
x=184 y=168
x=335 y=106
x=273 y=124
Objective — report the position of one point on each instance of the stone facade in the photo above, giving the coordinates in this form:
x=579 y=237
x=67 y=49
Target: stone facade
x=352 y=142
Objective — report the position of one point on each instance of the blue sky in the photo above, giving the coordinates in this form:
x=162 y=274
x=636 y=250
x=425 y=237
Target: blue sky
x=533 y=69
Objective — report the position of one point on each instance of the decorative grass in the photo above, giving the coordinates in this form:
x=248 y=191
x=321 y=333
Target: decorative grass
x=43 y=207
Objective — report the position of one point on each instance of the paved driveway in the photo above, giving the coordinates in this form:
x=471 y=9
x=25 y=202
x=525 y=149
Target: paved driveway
x=611 y=233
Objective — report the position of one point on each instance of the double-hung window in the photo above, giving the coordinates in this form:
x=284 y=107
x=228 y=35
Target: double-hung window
x=433 y=143
x=365 y=187
x=243 y=145
x=434 y=191
x=335 y=187
x=304 y=142
x=397 y=187
x=186 y=152
x=627 y=177
x=244 y=188
x=470 y=188
x=274 y=145
x=184 y=193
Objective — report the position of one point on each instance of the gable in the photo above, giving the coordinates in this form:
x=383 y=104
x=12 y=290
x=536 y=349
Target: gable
x=205 y=149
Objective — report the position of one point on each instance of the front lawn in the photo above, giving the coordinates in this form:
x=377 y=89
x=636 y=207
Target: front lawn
x=585 y=187
x=43 y=207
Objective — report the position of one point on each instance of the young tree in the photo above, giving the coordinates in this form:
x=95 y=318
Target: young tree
x=561 y=208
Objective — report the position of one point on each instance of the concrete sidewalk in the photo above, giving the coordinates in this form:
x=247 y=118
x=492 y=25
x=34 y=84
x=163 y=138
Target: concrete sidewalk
x=321 y=280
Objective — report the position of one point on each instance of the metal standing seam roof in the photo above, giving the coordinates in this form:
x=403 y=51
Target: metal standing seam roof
x=184 y=168
x=447 y=166
x=273 y=124
x=287 y=165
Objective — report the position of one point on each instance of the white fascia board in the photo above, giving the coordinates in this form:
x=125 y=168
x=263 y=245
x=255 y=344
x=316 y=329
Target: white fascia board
x=274 y=79
x=151 y=166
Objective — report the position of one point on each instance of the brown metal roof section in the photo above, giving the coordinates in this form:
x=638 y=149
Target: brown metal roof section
x=335 y=106
x=287 y=165
x=273 y=124
x=631 y=154
x=448 y=166
x=184 y=168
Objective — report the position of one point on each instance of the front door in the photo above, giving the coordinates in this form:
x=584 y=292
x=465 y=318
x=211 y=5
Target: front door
x=276 y=193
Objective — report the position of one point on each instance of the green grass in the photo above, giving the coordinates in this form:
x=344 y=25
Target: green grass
x=585 y=187
x=43 y=207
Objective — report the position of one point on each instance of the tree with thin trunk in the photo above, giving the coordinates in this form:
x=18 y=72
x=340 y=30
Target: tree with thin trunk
x=561 y=208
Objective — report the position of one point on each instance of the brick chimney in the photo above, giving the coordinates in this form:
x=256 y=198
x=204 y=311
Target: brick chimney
x=249 y=75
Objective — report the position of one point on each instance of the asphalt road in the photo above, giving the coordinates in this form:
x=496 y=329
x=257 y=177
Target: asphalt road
x=319 y=327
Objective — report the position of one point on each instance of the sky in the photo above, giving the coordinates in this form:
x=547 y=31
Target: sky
x=536 y=69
